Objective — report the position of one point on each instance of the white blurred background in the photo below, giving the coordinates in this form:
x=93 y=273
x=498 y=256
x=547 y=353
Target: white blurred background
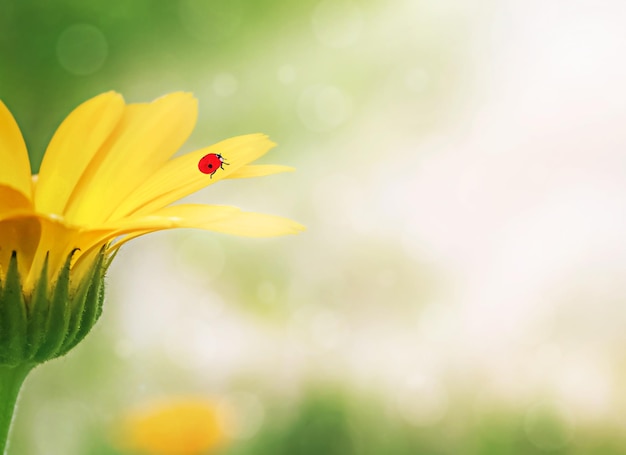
x=476 y=239
x=461 y=169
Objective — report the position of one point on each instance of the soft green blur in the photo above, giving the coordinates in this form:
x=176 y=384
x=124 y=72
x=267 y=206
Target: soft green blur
x=344 y=339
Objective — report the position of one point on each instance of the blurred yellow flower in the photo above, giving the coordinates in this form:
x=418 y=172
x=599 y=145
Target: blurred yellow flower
x=107 y=176
x=185 y=426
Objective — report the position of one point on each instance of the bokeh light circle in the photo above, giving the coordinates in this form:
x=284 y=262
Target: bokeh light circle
x=82 y=49
x=286 y=74
x=225 y=85
x=324 y=107
x=546 y=428
x=423 y=401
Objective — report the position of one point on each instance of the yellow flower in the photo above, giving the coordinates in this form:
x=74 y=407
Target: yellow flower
x=108 y=172
x=185 y=426
x=107 y=176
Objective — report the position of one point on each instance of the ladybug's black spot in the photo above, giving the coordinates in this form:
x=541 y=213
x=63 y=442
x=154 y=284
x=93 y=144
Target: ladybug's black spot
x=210 y=166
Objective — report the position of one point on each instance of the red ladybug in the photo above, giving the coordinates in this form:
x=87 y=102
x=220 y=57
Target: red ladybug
x=209 y=164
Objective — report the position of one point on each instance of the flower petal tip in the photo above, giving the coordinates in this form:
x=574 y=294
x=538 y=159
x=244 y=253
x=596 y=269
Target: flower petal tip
x=297 y=228
x=111 y=95
x=179 y=96
x=266 y=138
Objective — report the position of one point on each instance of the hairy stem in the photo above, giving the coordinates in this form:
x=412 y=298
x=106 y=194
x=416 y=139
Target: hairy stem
x=11 y=379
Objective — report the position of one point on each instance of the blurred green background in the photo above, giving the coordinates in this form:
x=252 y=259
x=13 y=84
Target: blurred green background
x=459 y=168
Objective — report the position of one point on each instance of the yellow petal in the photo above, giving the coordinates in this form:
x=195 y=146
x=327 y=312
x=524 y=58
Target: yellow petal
x=72 y=147
x=258 y=170
x=181 y=177
x=12 y=200
x=14 y=163
x=19 y=234
x=218 y=218
x=146 y=137
x=33 y=237
x=57 y=241
x=248 y=224
x=167 y=218
x=37 y=236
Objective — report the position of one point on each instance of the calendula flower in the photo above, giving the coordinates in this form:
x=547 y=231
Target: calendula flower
x=178 y=426
x=107 y=176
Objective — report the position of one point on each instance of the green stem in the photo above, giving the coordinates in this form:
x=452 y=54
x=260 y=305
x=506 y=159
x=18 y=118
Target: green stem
x=11 y=379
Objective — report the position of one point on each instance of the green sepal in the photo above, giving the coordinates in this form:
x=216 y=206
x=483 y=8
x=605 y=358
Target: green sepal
x=12 y=317
x=38 y=312
x=52 y=318
x=57 y=321
x=86 y=305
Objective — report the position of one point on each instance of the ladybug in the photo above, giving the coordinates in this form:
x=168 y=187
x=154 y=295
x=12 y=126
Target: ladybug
x=209 y=164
